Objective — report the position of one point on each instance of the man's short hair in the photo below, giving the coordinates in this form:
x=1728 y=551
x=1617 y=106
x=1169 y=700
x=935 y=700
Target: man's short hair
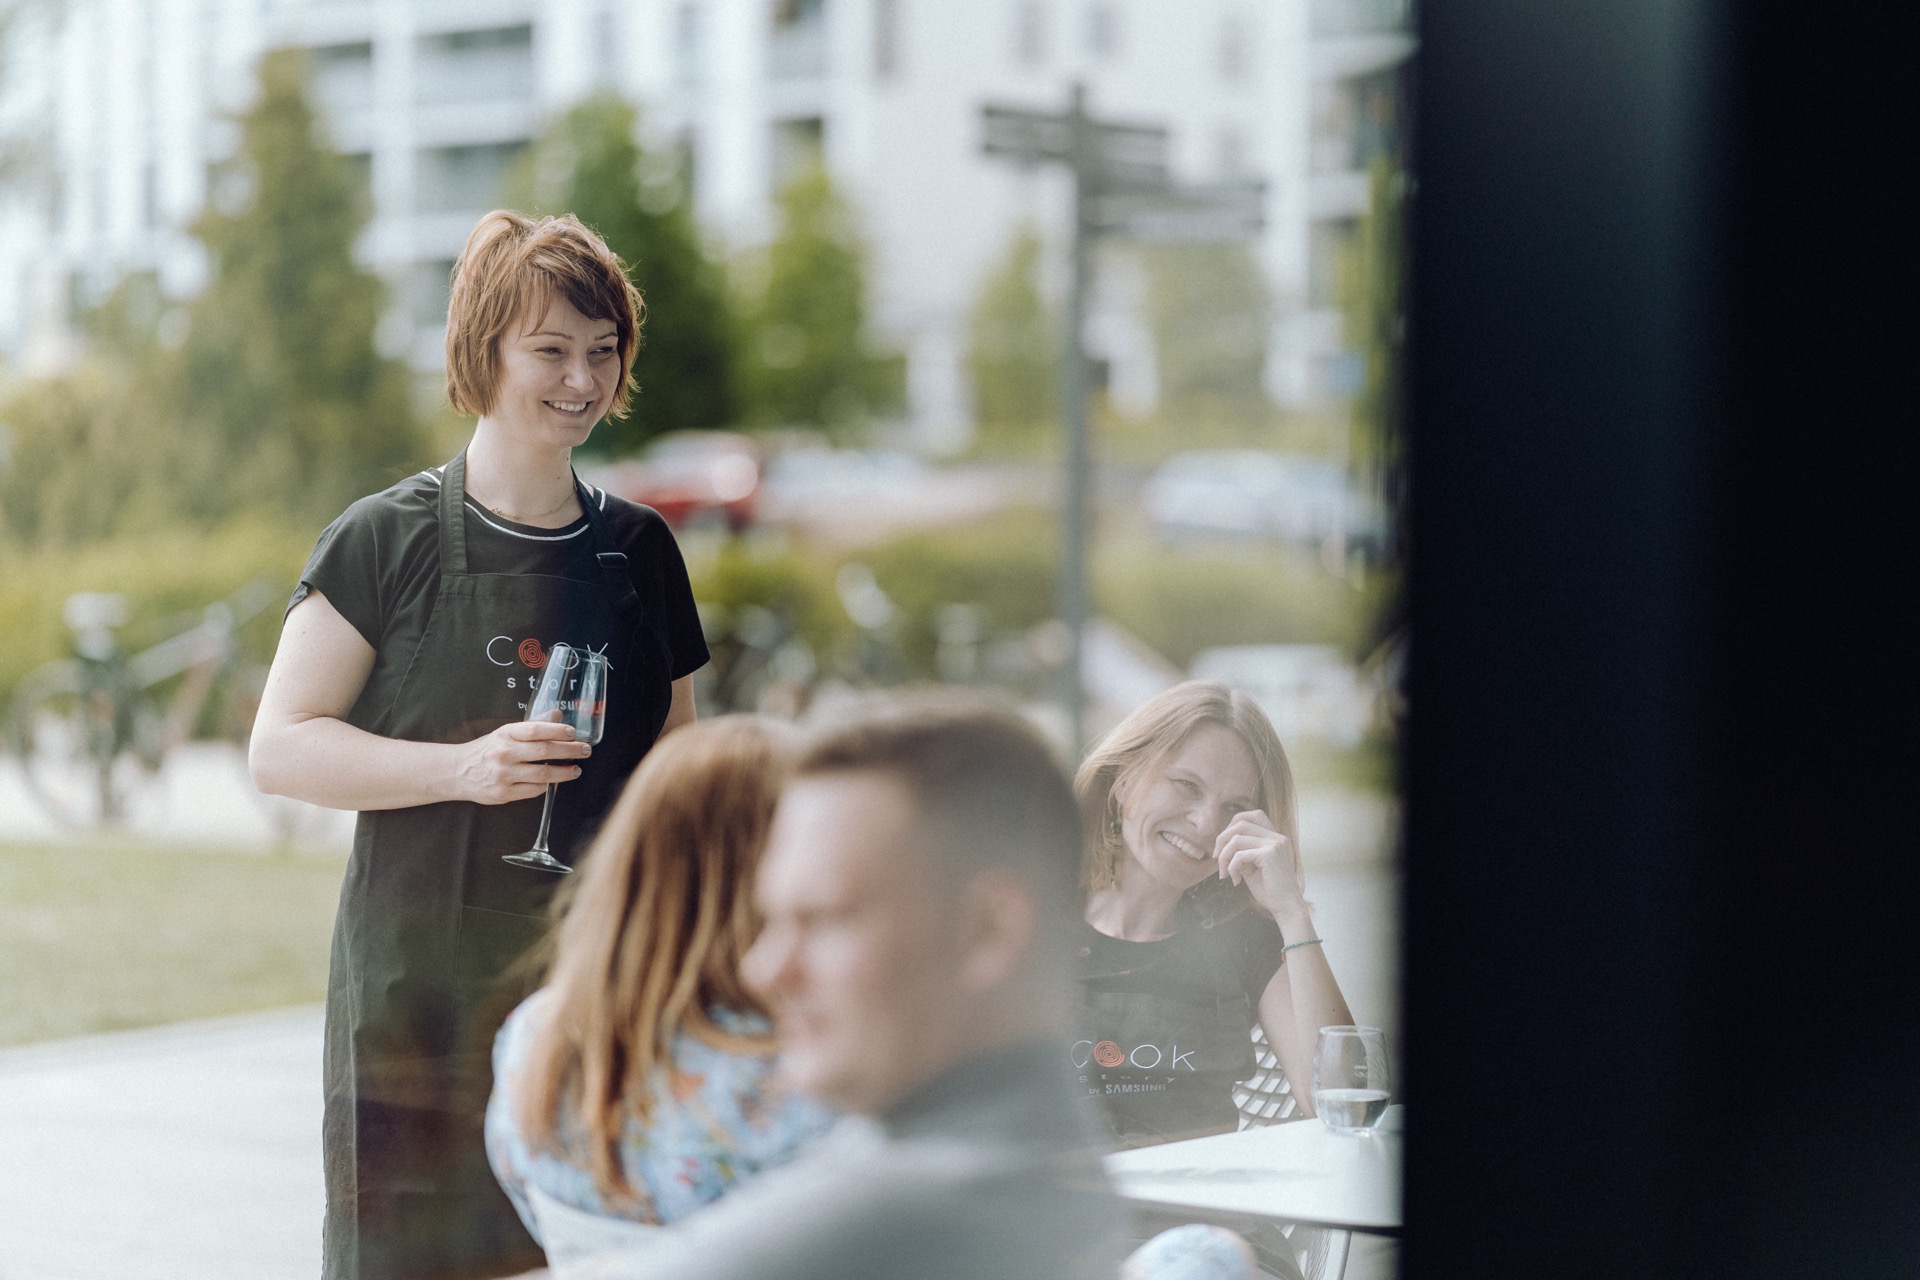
x=984 y=783
x=510 y=265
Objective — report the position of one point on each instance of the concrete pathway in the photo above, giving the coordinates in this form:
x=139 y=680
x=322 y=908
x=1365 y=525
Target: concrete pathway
x=190 y=1151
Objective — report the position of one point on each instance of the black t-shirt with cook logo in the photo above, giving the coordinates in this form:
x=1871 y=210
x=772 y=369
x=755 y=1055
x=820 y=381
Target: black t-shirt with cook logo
x=379 y=566
x=1162 y=1030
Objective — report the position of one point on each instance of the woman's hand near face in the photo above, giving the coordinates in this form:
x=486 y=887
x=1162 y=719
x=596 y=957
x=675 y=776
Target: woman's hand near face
x=517 y=761
x=1250 y=851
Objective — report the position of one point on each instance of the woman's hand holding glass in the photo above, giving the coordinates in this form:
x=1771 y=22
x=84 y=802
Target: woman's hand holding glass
x=1251 y=852
x=520 y=760
x=572 y=696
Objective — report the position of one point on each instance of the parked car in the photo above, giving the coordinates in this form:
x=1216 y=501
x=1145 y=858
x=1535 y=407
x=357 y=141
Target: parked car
x=690 y=477
x=1254 y=494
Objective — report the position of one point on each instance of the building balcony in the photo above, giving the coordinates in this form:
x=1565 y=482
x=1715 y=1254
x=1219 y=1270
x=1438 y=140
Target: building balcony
x=798 y=52
x=1360 y=17
x=1346 y=57
x=1336 y=196
x=472 y=123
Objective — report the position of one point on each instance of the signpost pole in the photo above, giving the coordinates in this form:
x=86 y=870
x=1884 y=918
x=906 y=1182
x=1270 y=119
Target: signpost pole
x=1073 y=409
x=1120 y=187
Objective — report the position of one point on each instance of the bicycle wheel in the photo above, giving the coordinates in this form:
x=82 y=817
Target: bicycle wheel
x=75 y=734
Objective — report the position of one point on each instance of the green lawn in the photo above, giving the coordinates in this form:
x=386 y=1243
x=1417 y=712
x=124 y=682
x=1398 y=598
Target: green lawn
x=95 y=937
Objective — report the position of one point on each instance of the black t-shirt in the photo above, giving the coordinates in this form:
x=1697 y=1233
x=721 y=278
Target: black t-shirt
x=1163 y=1028
x=379 y=563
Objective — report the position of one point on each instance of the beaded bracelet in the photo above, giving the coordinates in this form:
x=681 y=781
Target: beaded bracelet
x=1304 y=942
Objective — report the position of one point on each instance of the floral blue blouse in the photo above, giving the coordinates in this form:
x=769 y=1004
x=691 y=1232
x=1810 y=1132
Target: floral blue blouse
x=716 y=1120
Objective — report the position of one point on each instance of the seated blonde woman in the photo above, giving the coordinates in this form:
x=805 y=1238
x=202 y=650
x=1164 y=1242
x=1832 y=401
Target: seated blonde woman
x=1197 y=920
x=638 y=1084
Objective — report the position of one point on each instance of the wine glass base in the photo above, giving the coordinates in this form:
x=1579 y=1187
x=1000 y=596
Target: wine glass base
x=539 y=860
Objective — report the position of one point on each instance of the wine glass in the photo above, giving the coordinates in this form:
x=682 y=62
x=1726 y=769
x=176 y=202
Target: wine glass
x=1350 y=1084
x=573 y=691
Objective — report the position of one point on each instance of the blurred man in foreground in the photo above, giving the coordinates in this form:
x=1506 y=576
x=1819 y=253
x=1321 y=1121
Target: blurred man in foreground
x=914 y=885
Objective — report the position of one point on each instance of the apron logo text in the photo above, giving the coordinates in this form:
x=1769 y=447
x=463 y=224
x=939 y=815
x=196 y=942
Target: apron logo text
x=1144 y=1056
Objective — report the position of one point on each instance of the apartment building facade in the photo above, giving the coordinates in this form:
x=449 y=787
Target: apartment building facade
x=124 y=106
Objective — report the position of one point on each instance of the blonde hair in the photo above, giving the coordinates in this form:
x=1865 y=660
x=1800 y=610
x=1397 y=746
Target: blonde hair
x=510 y=263
x=1138 y=744
x=652 y=934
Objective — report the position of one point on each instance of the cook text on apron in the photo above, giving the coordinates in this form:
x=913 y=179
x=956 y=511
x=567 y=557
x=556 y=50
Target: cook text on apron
x=1163 y=1060
x=432 y=923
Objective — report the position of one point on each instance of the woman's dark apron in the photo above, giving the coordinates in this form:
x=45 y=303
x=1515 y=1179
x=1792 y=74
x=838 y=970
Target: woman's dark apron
x=433 y=926
x=1164 y=1065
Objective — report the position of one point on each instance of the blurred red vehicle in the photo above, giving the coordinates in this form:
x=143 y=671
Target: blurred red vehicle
x=690 y=478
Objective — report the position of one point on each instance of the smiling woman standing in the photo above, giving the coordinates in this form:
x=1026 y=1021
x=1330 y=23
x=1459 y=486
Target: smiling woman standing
x=419 y=626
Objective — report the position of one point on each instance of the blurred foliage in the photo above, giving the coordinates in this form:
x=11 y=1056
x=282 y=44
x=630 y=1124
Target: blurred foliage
x=82 y=459
x=266 y=394
x=280 y=394
x=588 y=164
x=742 y=572
x=1178 y=600
x=1183 y=601
x=1210 y=314
x=167 y=575
x=1371 y=293
x=806 y=356
x=1013 y=355
x=1007 y=567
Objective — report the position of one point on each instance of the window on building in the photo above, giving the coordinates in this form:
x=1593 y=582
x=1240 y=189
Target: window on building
x=1030 y=34
x=464 y=179
x=342 y=76
x=606 y=44
x=1103 y=29
x=686 y=44
x=798 y=49
x=798 y=13
x=429 y=287
x=475 y=66
x=886 y=39
x=798 y=145
x=1230 y=150
x=1234 y=56
x=359 y=166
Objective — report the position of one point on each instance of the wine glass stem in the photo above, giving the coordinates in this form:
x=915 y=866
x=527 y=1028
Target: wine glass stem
x=546 y=816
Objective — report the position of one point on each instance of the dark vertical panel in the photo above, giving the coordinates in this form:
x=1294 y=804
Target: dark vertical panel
x=1557 y=420
x=1662 y=929
x=1803 y=1005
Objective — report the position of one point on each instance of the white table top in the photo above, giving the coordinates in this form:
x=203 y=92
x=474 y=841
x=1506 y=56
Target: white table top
x=1300 y=1171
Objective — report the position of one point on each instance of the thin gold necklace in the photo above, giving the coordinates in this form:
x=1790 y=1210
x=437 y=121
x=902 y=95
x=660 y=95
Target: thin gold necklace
x=518 y=519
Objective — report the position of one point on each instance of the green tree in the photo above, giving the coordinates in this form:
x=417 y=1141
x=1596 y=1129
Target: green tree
x=73 y=468
x=1209 y=311
x=589 y=165
x=279 y=392
x=1370 y=294
x=807 y=358
x=1013 y=356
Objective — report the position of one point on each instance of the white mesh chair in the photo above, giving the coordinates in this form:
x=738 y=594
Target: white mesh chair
x=1264 y=1098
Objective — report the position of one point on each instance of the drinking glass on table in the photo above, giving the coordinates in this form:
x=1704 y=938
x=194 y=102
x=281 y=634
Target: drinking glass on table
x=1350 y=1084
x=572 y=691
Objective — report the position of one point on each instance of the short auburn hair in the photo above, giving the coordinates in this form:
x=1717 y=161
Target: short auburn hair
x=512 y=263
